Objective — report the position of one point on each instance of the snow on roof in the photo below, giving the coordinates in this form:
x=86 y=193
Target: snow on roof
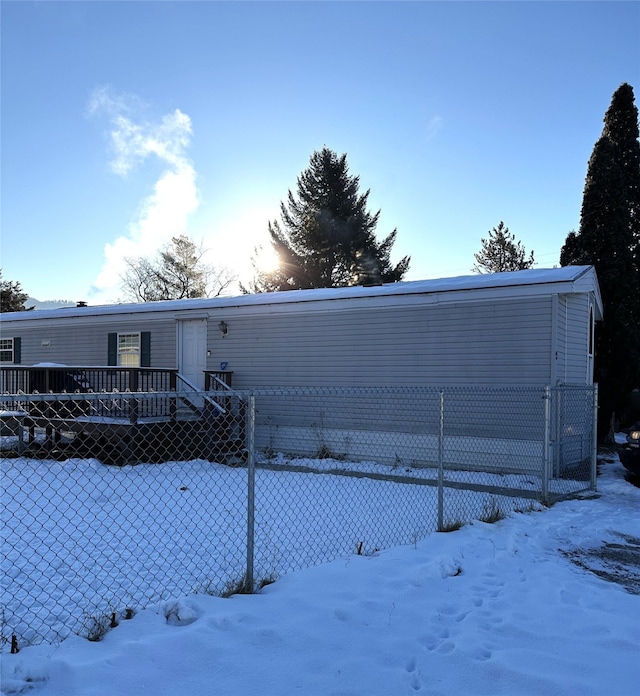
x=538 y=276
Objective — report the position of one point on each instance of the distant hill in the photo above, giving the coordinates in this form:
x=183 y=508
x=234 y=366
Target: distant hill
x=48 y=304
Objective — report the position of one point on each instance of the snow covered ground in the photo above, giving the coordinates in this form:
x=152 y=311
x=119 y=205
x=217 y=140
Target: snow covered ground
x=543 y=602
x=81 y=540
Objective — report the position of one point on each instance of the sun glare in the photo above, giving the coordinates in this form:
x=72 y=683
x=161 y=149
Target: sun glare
x=266 y=259
x=243 y=244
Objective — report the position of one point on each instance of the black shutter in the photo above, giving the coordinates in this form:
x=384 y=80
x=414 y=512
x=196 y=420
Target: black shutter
x=145 y=349
x=17 y=350
x=112 y=349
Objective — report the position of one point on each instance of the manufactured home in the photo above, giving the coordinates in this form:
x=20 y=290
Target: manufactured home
x=532 y=327
x=522 y=331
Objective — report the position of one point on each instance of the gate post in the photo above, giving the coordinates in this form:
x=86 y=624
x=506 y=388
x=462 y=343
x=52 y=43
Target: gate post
x=251 y=486
x=546 y=446
x=594 y=445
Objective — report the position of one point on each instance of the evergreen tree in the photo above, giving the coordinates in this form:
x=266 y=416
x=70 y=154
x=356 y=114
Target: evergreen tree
x=179 y=272
x=609 y=239
x=326 y=237
x=500 y=253
x=12 y=297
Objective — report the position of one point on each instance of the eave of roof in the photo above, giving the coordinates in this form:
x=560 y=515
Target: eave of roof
x=563 y=279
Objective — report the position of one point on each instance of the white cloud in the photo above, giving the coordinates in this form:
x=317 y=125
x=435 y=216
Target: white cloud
x=164 y=213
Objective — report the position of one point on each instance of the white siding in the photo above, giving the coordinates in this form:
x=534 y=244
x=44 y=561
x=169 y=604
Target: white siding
x=561 y=340
x=84 y=342
x=502 y=342
x=577 y=339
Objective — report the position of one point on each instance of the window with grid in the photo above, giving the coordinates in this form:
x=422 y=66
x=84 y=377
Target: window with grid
x=129 y=349
x=6 y=350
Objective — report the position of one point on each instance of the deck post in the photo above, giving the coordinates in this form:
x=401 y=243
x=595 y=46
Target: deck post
x=134 y=404
x=133 y=379
x=173 y=400
x=134 y=410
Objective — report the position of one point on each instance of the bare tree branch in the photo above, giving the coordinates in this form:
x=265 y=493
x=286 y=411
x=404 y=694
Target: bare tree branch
x=178 y=271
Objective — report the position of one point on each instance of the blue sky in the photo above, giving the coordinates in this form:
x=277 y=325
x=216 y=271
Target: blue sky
x=124 y=123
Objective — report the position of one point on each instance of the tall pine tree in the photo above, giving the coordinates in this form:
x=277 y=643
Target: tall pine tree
x=326 y=237
x=609 y=238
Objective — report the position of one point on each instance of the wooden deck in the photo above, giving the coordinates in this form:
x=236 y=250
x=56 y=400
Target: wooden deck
x=121 y=415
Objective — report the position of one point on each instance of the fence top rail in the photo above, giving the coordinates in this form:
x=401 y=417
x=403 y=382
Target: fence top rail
x=97 y=396
x=399 y=389
x=79 y=368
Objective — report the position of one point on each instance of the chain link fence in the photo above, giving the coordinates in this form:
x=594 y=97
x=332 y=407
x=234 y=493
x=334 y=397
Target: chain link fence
x=115 y=501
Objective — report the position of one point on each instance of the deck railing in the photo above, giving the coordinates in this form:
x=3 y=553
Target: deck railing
x=122 y=385
x=72 y=379
x=217 y=380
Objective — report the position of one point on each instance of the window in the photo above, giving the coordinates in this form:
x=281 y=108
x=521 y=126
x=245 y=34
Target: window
x=129 y=350
x=6 y=350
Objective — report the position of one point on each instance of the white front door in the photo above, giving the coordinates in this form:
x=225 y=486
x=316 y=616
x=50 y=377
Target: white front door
x=192 y=350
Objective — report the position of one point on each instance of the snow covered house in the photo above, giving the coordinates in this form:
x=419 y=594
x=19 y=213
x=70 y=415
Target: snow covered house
x=522 y=331
x=532 y=327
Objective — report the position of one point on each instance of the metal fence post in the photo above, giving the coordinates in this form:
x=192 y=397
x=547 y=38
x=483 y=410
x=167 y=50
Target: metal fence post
x=594 y=446
x=546 y=447
x=441 y=463
x=251 y=486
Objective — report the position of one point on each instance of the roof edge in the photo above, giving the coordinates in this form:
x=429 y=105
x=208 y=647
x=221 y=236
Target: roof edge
x=566 y=275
